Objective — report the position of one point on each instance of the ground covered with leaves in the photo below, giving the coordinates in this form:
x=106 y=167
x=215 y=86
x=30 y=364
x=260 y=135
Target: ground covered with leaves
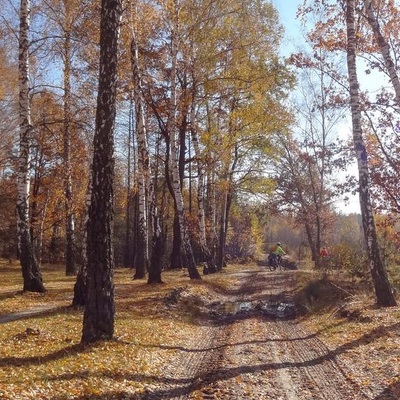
x=209 y=339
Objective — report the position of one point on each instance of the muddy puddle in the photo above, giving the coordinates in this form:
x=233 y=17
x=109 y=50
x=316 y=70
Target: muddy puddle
x=284 y=309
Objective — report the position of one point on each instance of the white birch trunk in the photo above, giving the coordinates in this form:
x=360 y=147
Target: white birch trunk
x=212 y=210
x=384 y=48
x=382 y=286
x=174 y=148
x=143 y=173
x=30 y=266
x=80 y=287
x=200 y=191
x=25 y=124
x=69 y=214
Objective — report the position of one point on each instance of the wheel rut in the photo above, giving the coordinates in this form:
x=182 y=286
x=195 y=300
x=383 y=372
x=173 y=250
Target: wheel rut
x=249 y=355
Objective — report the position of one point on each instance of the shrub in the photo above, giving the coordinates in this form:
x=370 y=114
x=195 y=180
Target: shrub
x=349 y=259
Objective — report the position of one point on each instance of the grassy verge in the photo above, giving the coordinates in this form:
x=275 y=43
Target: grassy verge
x=343 y=315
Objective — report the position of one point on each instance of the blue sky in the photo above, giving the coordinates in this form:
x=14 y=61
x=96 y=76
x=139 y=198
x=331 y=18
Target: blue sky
x=287 y=9
x=293 y=33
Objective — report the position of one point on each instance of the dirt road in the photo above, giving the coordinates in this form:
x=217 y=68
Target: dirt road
x=245 y=353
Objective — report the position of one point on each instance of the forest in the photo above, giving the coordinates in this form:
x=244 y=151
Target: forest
x=162 y=135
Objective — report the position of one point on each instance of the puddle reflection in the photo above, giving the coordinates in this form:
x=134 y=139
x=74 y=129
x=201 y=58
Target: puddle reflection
x=273 y=309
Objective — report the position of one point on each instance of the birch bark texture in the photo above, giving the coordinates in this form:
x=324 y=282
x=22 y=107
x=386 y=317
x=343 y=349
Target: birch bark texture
x=174 y=157
x=98 y=319
x=68 y=193
x=80 y=287
x=143 y=167
x=204 y=248
x=32 y=277
x=383 y=47
x=383 y=290
x=150 y=259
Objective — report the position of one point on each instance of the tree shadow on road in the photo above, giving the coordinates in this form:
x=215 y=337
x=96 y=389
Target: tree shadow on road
x=41 y=359
x=34 y=312
x=392 y=392
x=330 y=355
x=185 y=386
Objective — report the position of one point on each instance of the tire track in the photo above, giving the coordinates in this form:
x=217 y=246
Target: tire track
x=251 y=356
x=314 y=370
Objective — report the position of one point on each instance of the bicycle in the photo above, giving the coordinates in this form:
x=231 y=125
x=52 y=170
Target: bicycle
x=275 y=262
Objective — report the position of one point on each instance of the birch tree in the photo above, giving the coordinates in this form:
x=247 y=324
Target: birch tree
x=143 y=164
x=150 y=258
x=64 y=41
x=207 y=255
x=30 y=267
x=69 y=214
x=383 y=47
x=383 y=290
x=80 y=287
x=98 y=319
x=354 y=38
x=174 y=151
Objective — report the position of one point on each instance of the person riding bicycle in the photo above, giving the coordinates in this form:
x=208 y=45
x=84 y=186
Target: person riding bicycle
x=324 y=252
x=276 y=254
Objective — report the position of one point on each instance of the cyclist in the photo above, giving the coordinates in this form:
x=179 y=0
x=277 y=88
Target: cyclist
x=275 y=256
x=324 y=255
x=324 y=252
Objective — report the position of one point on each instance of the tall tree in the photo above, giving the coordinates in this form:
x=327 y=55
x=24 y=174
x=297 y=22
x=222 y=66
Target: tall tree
x=143 y=165
x=383 y=290
x=131 y=166
x=206 y=253
x=98 y=319
x=383 y=47
x=174 y=149
x=80 y=287
x=150 y=258
x=69 y=213
x=30 y=267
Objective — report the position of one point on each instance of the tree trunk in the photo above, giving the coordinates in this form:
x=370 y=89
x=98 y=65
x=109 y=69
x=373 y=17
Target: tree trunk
x=158 y=245
x=156 y=254
x=226 y=207
x=98 y=319
x=222 y=234
x=31 y=273
x=205 y=251
x=176 y=259
x=384 y=48
x=70 y=264
x=80 y=287
x=383 y=290
x=128 y=253
x=142 y=252
x=174 y=158
x=211 y=212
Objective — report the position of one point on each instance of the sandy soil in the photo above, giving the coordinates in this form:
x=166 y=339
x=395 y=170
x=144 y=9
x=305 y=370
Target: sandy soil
x=244 y=352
